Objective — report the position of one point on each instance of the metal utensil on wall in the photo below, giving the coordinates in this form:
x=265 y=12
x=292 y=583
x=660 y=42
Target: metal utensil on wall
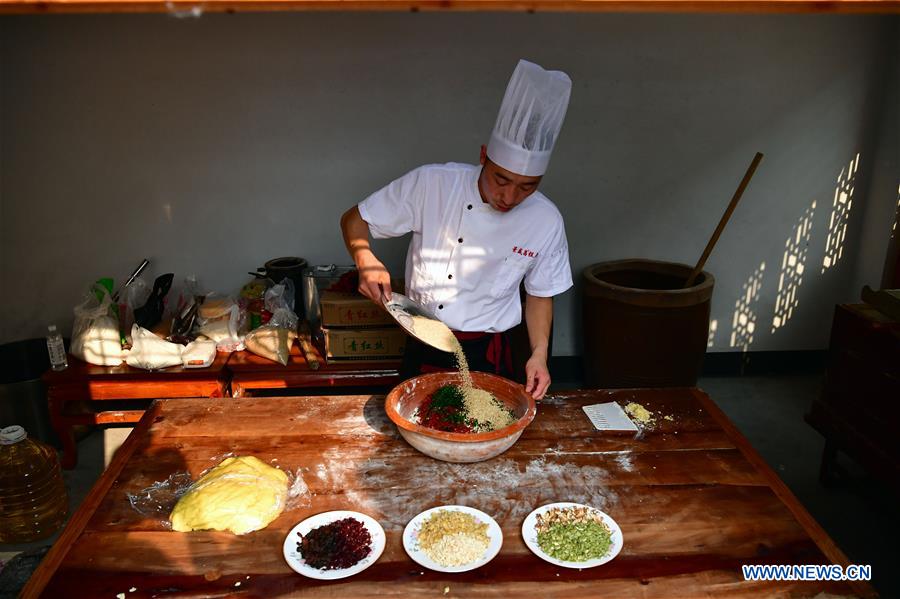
x=137 y=272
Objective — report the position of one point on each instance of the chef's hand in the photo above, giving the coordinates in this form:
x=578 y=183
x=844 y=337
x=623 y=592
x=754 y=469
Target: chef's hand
x=537 y=377
x=374 y=280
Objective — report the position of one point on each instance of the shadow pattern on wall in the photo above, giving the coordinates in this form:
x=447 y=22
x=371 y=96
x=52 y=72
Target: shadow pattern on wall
x=743 y=324
x=793 y=264
x=840 y=214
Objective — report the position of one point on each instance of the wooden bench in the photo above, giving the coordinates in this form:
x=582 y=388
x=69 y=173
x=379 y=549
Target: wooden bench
x=251 y=373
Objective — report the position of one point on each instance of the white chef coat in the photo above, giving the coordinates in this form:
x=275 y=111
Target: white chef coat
x=465 y=259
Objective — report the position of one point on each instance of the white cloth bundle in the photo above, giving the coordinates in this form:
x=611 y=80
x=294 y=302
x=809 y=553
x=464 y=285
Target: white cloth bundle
x=199 y=353
x=151 y=352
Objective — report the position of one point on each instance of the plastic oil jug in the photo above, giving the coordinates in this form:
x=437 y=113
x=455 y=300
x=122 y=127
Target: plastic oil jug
x=33 y=500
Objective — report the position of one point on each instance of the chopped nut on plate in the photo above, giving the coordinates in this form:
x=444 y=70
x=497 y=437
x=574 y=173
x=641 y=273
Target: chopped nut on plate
x=571 y=515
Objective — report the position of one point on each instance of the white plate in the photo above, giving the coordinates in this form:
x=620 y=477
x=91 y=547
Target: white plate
x=411 y=539
x=296 y=562
x=529 y=533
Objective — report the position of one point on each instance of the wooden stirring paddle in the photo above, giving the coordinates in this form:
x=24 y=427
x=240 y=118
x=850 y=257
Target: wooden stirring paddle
x=724 y=220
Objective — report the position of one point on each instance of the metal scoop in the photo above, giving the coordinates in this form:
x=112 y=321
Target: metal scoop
x=404 y=310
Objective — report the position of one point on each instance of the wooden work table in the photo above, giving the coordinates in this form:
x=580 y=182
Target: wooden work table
x=693 y=499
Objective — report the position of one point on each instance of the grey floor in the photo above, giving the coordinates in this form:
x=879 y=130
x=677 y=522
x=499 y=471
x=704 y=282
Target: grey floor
x=859 y=514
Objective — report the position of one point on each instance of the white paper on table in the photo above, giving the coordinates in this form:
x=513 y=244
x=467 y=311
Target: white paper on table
x=609 y=417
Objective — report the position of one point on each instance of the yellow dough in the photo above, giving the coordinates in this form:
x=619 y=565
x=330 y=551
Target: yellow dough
x=241 y=494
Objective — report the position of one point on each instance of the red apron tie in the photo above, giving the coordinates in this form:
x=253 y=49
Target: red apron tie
x=498 y=352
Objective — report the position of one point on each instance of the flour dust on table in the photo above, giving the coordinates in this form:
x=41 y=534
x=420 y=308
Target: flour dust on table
x=490 y=486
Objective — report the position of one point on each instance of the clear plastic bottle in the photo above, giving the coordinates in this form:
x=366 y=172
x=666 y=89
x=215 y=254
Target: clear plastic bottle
x=56 y=349
x=33 y=500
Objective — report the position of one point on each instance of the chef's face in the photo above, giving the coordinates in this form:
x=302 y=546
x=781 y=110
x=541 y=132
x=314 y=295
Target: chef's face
x=503 y=189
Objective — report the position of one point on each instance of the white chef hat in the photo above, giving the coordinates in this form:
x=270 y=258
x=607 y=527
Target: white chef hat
x=530 y=119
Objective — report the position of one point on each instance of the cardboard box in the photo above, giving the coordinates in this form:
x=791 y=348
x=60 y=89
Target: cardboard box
x=365 y=344
x=351 y=310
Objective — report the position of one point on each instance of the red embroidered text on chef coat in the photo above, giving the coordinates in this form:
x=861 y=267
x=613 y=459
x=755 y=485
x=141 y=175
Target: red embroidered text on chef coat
x=524 y=252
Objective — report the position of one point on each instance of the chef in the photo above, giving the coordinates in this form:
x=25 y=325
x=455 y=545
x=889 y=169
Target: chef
x=477 y=232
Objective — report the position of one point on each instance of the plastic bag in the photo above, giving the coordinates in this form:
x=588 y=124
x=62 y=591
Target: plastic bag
x=270 y=342
x=159 y=500
x=279 y=300
x=275 y=339
x=151 y=352
x=222 y=320
x=95 y=333
x=199 y=353
x=176 y=299
x=134 y=296
x=192 y=287
x=186 y=299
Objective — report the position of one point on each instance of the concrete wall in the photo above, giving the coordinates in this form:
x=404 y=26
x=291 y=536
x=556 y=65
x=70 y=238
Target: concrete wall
x=210 y=145
x=882 y=209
